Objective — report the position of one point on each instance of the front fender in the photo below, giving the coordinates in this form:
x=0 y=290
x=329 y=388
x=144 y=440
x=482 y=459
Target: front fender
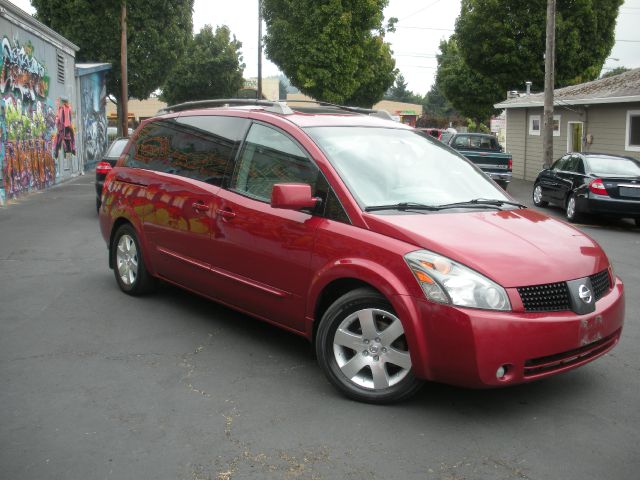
x=399 y=290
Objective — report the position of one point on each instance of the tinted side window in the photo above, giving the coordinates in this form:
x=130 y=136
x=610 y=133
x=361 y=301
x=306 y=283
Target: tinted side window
x=571 y=164
x=197 y=147
x=559 y=164
x=151 y=148
x=270 y=157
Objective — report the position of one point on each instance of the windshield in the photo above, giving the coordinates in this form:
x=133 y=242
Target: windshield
x=386 y=166
x=611 y=166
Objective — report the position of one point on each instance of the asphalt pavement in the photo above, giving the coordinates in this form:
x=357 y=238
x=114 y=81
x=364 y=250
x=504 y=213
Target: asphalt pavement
x=95 y=384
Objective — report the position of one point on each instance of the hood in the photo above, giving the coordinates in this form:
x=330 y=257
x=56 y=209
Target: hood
x=514 y=248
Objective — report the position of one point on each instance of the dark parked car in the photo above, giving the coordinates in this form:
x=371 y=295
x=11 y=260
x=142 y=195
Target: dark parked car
x=485 y=152
x=106 y=164
x=396 y=257
x=591 y=183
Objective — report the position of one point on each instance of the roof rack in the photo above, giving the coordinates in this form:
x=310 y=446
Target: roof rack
x=271 y=106
x=365 y=111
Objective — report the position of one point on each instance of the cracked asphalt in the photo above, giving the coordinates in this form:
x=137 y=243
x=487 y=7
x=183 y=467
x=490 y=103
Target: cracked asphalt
x=95 y=384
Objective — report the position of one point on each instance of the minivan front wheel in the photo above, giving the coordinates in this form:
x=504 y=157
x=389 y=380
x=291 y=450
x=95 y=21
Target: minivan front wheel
x=128 y=264
x=361 y=347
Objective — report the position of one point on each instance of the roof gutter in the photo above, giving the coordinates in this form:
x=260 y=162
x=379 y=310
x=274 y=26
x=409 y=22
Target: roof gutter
x=558 y=102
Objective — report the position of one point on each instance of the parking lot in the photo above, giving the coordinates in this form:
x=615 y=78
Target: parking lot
x=97 y=384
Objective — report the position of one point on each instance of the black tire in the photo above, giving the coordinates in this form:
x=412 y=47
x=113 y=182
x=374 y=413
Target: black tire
x=537 y=194
x=571 y=211
x=98 y=203
x=503 y=184
x=386 y=353
x=128 y=264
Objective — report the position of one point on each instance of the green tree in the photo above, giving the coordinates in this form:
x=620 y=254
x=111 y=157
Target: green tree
x=331 y=50
x=157 y=34
x=399 y=90
x=470 y=92
x=505 y=39
x=436 y=104
x=615 y=71
x=211 y=68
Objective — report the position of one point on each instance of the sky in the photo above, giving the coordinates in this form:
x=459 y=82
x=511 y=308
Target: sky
x=422 y=25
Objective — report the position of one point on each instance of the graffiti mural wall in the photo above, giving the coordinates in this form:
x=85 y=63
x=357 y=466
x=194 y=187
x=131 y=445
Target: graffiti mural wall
x=93 y=91
x=36 y=134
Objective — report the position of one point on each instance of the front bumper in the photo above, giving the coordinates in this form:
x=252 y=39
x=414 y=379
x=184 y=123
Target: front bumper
x=466 y=347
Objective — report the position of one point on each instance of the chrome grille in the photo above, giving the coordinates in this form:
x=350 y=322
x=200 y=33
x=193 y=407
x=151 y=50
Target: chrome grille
x=601 y=284
x=554 y=297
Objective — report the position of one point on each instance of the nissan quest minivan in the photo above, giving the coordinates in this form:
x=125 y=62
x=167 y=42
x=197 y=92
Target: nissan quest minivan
x=398 y=258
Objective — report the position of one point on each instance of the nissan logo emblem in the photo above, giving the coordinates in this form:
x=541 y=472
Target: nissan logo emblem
x=585 y=294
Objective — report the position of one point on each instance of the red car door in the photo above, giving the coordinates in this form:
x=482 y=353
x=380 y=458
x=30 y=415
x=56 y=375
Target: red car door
x=188 y=157
x=264 y=253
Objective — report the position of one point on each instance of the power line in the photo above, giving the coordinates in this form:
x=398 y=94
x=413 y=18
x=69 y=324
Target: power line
x=430 y=28
x=418 y=11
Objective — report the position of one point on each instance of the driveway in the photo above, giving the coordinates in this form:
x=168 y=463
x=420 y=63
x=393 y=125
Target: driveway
x=96 y=384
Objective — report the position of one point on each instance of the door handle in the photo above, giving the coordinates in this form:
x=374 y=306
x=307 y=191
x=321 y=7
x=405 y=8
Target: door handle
x=227 y=214
x=200 y=207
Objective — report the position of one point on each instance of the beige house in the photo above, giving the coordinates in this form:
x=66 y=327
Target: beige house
x=403 y=112
x=140 y=109
x=598 y=116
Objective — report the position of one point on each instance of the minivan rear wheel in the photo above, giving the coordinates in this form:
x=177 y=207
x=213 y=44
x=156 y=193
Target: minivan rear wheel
x=128 y=264
x=362 y=349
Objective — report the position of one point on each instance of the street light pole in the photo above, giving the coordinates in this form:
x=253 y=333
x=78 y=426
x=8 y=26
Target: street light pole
x=259 y=91
x=549 y=65
x=124 y=95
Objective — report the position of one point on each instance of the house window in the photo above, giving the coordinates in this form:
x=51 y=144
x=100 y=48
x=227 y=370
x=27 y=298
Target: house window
x=534 y=125
x=632 y=137
x=556 y=125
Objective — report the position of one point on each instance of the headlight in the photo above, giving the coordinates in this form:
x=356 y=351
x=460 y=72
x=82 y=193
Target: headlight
x=446 y=281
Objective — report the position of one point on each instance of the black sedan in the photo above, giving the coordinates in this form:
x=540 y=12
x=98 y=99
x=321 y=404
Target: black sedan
x=106 y=164
x=591 y=183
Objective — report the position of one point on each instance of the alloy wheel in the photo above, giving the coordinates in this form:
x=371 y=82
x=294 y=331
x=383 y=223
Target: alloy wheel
x=127 y=260
x=370 y=349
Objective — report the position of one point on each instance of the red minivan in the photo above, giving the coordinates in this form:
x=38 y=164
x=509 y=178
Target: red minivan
x=398 y=258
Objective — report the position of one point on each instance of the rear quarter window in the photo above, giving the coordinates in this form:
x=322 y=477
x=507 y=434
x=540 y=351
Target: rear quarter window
x=198 y=147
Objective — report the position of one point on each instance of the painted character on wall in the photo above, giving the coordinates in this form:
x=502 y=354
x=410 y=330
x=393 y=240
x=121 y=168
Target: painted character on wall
x=94 y=118
x=66 y=137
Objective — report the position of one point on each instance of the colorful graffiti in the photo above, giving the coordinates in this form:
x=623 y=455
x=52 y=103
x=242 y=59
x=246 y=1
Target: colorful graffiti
x=94 y=118
x=22 y=72
x=29 y=123
x=26 y=150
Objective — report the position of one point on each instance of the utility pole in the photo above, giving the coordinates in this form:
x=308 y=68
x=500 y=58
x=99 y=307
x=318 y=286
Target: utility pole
x=124 y=98
x=549 y=75
x=259 y=91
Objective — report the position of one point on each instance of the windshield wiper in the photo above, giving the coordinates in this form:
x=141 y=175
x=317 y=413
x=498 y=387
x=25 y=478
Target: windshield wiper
x=401 y=206
x=481 y=202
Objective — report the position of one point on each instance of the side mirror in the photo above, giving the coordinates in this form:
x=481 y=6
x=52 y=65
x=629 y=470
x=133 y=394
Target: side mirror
x=292 y=196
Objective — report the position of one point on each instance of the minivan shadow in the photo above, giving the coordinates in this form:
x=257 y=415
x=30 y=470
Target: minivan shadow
x=435 y=397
